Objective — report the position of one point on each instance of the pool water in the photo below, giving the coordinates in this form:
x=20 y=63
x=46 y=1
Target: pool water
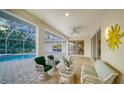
x=8 y=58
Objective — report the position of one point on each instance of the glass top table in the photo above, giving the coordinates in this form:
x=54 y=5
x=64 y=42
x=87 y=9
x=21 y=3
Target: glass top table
x=67 y=72
x=66 y=75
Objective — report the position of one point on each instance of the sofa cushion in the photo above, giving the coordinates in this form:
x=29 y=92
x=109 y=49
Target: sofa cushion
x=47 y=67
x=40 y=60
x=57 y=62
x=104 y=71
x=88 y=70
x=51 y=57
x=89 y=73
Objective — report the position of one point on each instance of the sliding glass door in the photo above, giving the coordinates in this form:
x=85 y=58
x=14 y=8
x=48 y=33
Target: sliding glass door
x=96 y=45
x=76 y=47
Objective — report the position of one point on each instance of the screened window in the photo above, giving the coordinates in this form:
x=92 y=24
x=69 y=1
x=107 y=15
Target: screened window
x=54 y=44
x=16 y=36
x=96 y=45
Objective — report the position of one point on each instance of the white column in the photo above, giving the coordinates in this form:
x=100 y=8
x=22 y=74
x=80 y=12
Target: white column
x=39 y=42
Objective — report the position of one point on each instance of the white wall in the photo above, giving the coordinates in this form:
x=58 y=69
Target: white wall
x=87 y=47
x=116 y=58
x=48 y=47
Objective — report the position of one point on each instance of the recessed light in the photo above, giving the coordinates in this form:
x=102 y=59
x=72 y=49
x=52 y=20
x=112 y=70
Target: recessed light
x=66 y=14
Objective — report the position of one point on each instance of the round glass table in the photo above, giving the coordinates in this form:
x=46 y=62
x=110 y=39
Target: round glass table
x=66 y=75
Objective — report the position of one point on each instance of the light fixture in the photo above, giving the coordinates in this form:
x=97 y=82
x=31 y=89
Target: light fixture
x=66 y=14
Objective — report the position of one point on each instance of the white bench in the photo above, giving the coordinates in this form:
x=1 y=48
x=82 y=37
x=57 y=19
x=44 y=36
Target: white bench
x=100 y=73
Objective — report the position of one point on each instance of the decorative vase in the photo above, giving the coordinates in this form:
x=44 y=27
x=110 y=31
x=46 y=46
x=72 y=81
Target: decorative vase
x=68 y=68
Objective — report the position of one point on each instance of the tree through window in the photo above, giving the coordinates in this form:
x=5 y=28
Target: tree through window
x=16 y=36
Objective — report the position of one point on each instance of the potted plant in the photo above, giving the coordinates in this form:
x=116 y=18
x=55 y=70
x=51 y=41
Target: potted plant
x=68 y=62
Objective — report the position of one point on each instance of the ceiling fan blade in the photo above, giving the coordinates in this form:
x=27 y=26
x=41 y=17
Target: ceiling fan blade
x=76 y=30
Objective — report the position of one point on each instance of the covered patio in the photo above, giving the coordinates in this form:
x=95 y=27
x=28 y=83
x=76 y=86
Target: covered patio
x=24 y=72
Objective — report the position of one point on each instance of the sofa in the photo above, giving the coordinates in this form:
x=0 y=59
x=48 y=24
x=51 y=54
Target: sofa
x=99 y=73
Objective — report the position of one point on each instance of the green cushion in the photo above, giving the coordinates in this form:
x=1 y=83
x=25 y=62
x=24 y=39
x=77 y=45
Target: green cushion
x=51 y=57
x=57 y=62
x=40 y=60
x=47 y=68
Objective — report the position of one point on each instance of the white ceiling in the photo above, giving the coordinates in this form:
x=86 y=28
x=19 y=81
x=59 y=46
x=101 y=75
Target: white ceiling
x=49 y=37
x=88 y=20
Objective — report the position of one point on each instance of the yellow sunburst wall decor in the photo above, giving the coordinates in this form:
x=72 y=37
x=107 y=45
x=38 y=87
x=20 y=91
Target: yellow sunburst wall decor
x=113 y=36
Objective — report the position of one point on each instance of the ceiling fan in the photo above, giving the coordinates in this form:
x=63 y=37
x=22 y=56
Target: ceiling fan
x=76 y=30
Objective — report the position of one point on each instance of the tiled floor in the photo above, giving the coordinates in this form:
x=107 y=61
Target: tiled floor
x=24 y=72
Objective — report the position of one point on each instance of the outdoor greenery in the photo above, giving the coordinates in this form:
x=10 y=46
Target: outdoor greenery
x=16 y=36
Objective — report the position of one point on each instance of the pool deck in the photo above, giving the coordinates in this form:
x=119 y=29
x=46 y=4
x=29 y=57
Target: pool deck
x=24 y=72
x=21 y=72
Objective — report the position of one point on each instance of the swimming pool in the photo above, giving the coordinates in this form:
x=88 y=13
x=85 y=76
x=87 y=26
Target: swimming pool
x=8 y=58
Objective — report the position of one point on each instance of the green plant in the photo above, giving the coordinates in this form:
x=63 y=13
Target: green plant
x=68 y=61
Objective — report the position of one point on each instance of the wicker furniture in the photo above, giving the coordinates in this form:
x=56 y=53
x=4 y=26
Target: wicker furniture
x=101 y=73
x=67 y=75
